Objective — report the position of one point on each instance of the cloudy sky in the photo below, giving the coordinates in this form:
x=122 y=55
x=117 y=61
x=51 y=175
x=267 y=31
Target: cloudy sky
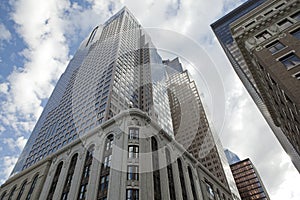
x=38 y=38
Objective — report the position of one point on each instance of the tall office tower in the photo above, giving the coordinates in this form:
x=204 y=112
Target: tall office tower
x=115 y=68
x=190 y=125
x=261 y=40
x=248 y=181
x=231 y=157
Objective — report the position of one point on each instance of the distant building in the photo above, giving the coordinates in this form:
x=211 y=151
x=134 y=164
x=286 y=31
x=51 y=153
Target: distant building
x=261 y=40
x=248 y=181
x=231 y=157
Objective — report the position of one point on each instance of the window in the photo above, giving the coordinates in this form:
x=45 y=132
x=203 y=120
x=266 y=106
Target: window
x=132 y=194
x=12 y=193
x=86 y=172
x=133 y=134
x=192 y=183
x=105 y=169
x=170 y=176
x=274 y=47
x=290 y=60
x=263 y=36
x=104 y=183
x=182 y=182
x=54 y=181
x=132 y=172
x=210 y=191
x=107 y=161
x=155 y=165
x=68 y=181
x=109 y=142
x=296 y=33
x=297 y=75
x=284 y=24
x=22 y=190
x=296 y=16
x=35 y=180
x=133 y=151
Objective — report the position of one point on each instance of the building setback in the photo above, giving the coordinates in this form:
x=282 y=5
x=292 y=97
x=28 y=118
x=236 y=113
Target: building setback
x=261 y=40
x=248 y=181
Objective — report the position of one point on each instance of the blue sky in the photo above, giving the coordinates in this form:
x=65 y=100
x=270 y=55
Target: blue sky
x=38 y=38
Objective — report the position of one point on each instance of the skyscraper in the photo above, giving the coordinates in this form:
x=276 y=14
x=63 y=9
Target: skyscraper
x=261 y=40
x=248 y=181
x=231 y=157
x=190 y=124
x=115 y=68
x=108 y=125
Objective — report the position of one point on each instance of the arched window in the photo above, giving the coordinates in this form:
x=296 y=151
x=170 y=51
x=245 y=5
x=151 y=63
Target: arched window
x=192 y=183
x=55 y=180
x=11 y=194
x=182 y=182
x=155 y=165
x=68 y=181
x=3 y=195
x=22 y=190
x=170 y=175
x=86 y=173
x=105 y=168
x=32 y=187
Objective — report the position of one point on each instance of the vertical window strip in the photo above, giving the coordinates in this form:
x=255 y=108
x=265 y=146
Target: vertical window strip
x=170 y=176
x=33 y=186
x=86 y=173
x=192 y=183
x=68 y=181
x=54 y=182
x=182 y=182
x=105 y=168
x=22 y=190
x=156 y=173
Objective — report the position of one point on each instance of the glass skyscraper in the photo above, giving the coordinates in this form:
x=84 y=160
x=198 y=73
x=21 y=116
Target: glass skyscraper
x=115 y=68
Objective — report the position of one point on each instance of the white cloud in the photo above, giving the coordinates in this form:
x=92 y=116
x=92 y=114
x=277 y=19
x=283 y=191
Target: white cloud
x=5 y=35
x=7 y=166
x=19 y=143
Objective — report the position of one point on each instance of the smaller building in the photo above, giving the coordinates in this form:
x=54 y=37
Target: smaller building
x=248 y=182
x=231 y=157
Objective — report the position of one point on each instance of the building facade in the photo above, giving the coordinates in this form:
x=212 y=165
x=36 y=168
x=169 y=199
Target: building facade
x=127 y=157
x=264 y=51
x=191 y=127
x=248 y=181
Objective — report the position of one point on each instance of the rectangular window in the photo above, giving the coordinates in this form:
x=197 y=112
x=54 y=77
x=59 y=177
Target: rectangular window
x=290 y=60
x=133 y=134
x=132 y=194
x=133 y=151
x=297 y=75
x=104 y=182
x=296 y=16
x=296 y=33
x=107 y=161
x=284 y=24
x=132 y=172
x=210 y=191
x=275 y=47
x=263 y=36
